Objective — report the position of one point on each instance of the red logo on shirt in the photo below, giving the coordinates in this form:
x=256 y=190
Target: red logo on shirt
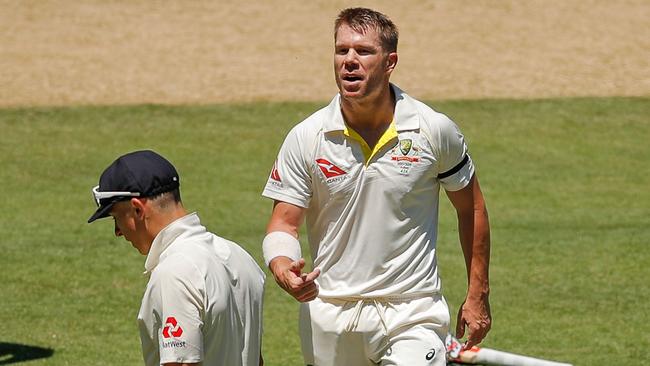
x=275 y=175
x=172 y=329
x=330 y=170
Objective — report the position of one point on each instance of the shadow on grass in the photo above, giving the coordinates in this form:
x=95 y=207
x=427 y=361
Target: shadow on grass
x=14 y=353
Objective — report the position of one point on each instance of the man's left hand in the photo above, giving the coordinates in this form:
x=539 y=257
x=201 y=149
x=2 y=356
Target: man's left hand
x=475 y=315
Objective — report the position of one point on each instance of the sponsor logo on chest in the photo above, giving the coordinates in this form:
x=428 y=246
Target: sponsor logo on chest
x=331 y=172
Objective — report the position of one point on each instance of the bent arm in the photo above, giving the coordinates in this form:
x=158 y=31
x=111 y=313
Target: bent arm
x=282 y=237
x=474 y=232
x=285 y=217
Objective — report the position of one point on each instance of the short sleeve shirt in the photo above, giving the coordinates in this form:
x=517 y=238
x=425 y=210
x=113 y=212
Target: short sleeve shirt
x=372 y=225
x=203 y=302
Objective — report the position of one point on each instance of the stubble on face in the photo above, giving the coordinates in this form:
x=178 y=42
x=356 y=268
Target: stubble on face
x=360 y=63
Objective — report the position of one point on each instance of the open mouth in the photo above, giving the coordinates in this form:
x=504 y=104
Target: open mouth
x=352 y=78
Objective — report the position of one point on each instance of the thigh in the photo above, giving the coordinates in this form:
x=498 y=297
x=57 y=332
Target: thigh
x=417 y=331
x=324 y=341
x=419 y=345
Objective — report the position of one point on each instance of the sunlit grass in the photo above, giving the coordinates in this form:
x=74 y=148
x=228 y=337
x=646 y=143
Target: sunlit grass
x=565 y=182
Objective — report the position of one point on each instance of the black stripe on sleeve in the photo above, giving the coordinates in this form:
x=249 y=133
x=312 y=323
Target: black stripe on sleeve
x=455 y=169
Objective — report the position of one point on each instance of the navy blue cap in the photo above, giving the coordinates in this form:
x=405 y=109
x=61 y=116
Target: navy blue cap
x=142 y=173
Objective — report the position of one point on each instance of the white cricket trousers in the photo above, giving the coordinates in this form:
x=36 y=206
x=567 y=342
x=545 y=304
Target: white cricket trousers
x=358 y=332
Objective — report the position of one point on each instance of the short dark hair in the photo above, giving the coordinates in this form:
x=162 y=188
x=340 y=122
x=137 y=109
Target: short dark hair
x=362 y=19
x=176 y=193
x=167 y=197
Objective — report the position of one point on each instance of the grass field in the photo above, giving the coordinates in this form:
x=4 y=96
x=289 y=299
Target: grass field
x=565 y=180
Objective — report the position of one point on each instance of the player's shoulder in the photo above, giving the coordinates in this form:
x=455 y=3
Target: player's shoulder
x=304 y=134
x=221 y=259
x=428 y=114
x=213 y=251
x=196 y=248
x=433 y=124
x=238 y=254
x=178 y=266
x=313 y=123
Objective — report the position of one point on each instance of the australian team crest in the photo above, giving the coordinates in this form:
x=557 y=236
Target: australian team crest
x=405 y=154
x=405 y=146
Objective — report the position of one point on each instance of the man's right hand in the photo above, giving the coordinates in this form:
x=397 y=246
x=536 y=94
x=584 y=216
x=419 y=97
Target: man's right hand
x=288 y=274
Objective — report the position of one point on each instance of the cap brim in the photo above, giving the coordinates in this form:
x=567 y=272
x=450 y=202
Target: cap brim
x=101 y=212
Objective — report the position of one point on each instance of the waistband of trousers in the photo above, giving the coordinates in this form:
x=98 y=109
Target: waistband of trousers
x=384 y=298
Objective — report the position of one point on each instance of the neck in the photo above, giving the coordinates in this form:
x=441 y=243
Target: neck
x=371 y=116
x=373 y=113
x=162 y=218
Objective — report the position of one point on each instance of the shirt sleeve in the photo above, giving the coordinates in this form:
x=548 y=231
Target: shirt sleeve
x=455 y=166
x=181 y=306
x=290 y=179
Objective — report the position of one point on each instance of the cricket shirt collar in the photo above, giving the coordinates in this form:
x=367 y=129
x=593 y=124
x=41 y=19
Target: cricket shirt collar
x=405 y=118
x=189 y=224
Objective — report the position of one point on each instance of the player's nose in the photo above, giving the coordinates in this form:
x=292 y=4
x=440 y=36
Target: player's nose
x=350 y=60
x=351 y=66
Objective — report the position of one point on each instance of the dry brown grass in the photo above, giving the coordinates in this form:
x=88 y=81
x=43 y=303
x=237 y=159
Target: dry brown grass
x=120 y=52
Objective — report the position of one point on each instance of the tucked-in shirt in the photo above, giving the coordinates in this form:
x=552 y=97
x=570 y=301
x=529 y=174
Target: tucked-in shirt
x=372 y=214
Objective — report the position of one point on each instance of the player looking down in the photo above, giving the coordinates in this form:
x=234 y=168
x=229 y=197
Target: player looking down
x=203 y=302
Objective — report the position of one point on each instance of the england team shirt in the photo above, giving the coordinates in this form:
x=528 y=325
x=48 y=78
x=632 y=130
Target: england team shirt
x=203 y=302
x=372 y=214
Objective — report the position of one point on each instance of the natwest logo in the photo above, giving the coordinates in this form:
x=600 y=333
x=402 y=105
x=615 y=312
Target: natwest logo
x=330 y=170
x=172 y=328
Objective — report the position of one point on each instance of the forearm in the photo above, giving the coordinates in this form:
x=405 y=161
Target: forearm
x=282 y=253
x=285 y=217
x=281 y=225
x=474 y=230
x=282 y=233
x=474 y=233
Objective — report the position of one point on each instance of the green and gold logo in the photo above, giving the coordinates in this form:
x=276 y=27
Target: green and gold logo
x=405 y=146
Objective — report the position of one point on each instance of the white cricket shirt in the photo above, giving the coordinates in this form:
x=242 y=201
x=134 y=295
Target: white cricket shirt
x=203 y=302
x=372 y=215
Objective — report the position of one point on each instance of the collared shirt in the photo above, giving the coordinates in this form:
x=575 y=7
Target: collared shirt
x=203 y=302
x=372 y=217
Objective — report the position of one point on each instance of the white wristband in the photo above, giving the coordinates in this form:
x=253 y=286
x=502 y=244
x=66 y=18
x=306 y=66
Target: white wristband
x=280 y=243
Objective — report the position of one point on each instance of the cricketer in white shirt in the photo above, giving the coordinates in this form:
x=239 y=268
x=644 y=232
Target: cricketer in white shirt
x=372 y=225
x=203 y=302
x=372 y=218
x=365 y=174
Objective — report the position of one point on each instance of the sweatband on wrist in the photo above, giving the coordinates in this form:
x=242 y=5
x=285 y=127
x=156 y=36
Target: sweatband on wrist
x=280 y=243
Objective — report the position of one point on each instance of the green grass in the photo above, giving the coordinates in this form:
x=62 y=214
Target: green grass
x=565 y=181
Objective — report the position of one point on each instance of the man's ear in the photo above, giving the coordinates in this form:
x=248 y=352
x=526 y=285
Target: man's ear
x=391 y=61
x=138 y=205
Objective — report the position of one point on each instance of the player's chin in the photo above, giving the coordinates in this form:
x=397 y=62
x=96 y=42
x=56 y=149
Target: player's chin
x=351 y=93
x=351 y=88
x=139 y=248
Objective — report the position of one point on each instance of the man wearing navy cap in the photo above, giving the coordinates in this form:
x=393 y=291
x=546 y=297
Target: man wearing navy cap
x=203 y=302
